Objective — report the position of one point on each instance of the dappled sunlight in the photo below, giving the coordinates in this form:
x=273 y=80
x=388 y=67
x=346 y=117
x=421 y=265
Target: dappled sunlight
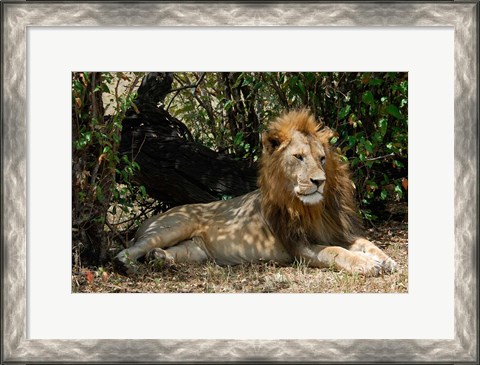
x=263 y=277
x=268 y=224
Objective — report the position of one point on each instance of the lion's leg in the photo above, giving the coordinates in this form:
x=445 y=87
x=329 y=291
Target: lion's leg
x=162 y=232
x=349 y=261
x=188 y=251
x=365 y=246
x=340 y=258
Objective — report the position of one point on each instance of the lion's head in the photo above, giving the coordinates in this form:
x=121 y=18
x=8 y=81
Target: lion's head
x=294 y=165
x=294 y=148
x=303 y=180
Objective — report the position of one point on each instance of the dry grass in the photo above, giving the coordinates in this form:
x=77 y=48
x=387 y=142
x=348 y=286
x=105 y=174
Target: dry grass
x=256 y=278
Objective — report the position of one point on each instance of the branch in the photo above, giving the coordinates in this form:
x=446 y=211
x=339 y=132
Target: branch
x=380 y=157
x=191 y=86
x=124 y=243
x=194 y=86
x=280 y=93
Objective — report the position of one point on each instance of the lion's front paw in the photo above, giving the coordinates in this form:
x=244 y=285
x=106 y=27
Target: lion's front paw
x=366 y=265
x=160 y=257
x=124 y=265
x=389 y=265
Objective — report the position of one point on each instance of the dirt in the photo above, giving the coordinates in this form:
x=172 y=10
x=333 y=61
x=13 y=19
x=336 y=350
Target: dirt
x=265 y=277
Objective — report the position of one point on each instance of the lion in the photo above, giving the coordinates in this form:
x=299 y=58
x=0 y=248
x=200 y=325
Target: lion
x=304 y=210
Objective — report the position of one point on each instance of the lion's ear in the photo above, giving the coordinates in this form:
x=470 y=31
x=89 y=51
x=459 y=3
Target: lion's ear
x=271 y=141
x=326 y=134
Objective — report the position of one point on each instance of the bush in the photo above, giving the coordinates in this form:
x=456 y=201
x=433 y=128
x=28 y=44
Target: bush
x=98 y=184
x=369 y=112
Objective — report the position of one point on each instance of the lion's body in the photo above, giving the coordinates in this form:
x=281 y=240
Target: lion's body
x=303 y=210
x=230 y=232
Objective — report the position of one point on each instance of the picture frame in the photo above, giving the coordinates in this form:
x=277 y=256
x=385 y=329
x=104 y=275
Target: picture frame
x=18 y=16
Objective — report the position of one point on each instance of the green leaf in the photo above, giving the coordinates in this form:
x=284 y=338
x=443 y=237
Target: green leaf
x=369 y=146
x=382 y=124
x=309 y=76
x=367 y=213
x=393 y=111
x=333 y=140
x=375 y=82
x=228 y=105
x=238 y=138
x=383 y=194
x=237 y=81
x=367 y=98
x=344 y=112
x=377 y=137
x=246 y=82
x=99 y=194
x=135 y=166
x=301 y=87
x=398 y=163
x=258 y=85
x=352 y=141
x=105 y=88
x=398 y=190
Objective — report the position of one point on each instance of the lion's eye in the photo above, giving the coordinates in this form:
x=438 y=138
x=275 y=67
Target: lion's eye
x=298 y=157
x=323 y=160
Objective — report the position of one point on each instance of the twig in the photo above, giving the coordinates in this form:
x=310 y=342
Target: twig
x=139 y=149
x=171 y=100
x=280 y=93
x=192 y=86
x=177 y=90
x=380 y=157
x=124 y=243
x=144 y=212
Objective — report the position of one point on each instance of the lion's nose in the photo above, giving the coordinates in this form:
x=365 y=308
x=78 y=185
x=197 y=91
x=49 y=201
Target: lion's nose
x=317 y=182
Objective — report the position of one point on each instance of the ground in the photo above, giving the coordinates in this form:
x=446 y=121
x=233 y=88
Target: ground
x=267 y=277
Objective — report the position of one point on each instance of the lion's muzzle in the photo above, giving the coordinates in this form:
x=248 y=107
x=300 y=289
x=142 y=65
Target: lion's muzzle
x=310 y=194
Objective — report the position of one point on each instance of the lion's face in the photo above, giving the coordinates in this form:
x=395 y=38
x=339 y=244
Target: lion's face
x=297 y=168
x=304 y=160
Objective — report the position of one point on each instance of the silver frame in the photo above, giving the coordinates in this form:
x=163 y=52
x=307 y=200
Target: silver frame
x=18 y=15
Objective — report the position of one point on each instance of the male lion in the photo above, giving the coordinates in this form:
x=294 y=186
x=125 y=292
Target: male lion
x=304 y=210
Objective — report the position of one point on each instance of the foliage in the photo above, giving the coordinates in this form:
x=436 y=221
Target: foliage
x=101 y=180
x=369 y=112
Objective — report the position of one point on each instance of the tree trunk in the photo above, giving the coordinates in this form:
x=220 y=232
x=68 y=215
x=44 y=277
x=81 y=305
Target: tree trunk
x=173 y=168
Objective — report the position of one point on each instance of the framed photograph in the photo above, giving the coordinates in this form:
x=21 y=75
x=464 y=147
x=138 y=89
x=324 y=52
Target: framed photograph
x=47 y=316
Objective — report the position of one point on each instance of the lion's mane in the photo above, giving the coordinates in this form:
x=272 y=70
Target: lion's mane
x=334 y=221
